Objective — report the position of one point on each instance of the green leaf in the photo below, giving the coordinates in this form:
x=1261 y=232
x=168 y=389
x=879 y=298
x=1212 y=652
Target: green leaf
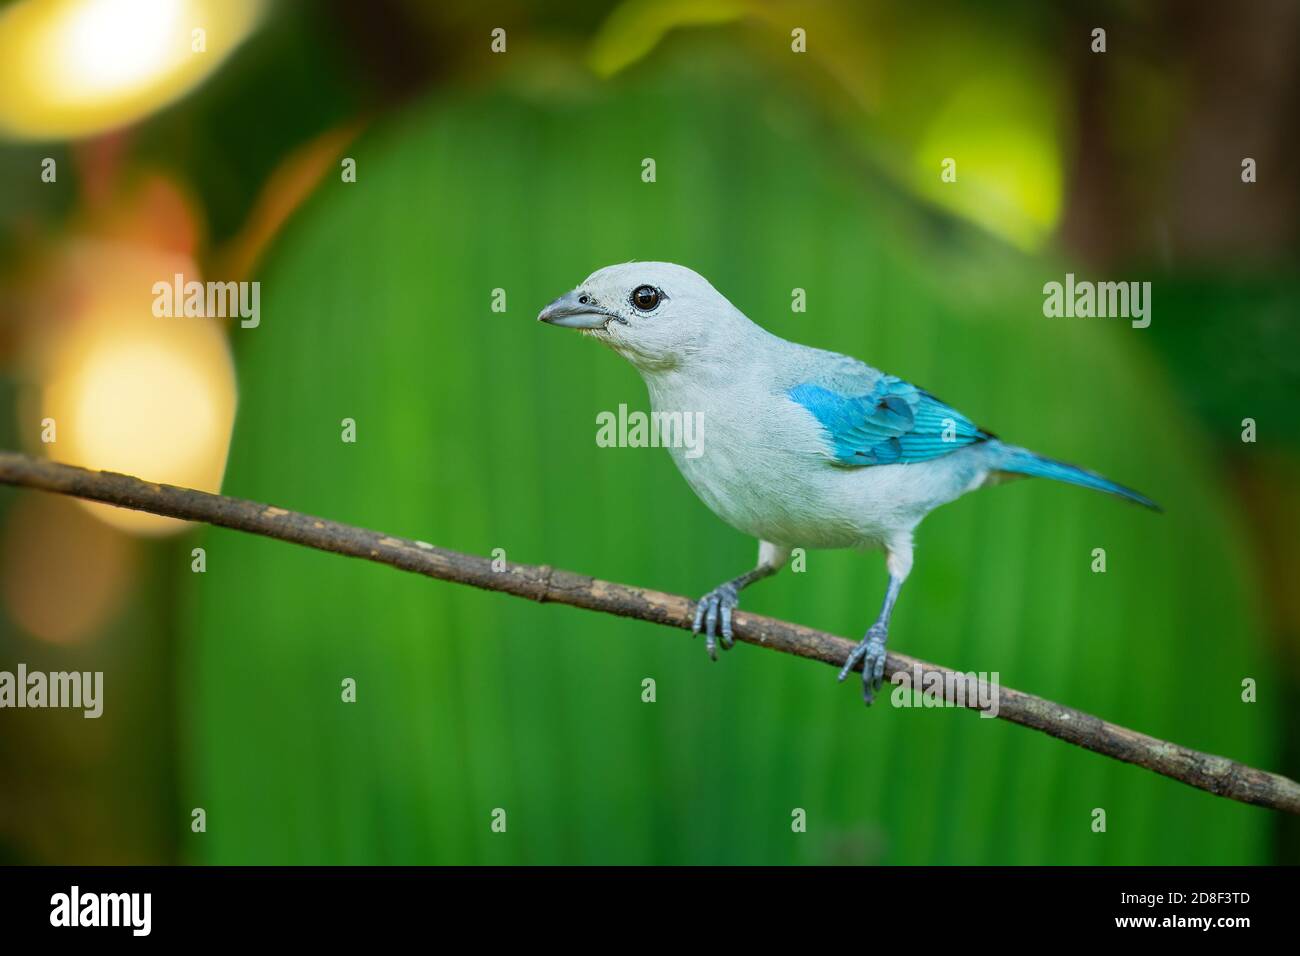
x=476 y=430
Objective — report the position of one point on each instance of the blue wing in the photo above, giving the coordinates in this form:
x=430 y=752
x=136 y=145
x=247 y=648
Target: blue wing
x=894 y=423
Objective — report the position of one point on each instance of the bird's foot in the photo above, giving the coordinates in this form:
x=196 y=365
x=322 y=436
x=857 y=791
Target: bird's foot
x=871 y=651
x=713 y=616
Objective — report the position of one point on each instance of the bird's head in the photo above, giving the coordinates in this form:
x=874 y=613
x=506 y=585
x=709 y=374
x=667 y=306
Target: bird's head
x=655 y=314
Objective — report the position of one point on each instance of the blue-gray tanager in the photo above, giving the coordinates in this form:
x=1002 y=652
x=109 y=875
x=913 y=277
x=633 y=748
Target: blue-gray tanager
x=799 y=447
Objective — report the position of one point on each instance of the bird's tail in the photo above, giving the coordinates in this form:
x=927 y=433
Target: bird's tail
x=1021 y=461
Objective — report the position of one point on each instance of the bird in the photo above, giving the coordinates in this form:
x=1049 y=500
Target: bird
x=799 y=447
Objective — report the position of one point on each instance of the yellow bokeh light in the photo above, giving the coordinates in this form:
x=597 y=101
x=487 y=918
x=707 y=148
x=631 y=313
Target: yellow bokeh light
x=112 y=46
x=1000 y=131
x=72 y=68
x=127 y=382
x=130 y=392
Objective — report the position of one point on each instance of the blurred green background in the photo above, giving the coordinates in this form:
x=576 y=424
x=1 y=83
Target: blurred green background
x=521 y=170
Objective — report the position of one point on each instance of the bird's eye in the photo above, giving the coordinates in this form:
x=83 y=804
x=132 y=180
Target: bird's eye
x=645 y=297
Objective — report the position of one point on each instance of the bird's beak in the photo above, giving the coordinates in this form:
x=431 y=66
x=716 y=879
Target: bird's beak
x=572 y=313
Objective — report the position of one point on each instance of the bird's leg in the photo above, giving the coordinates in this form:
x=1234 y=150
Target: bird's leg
x=715 y=608
x=871 y=650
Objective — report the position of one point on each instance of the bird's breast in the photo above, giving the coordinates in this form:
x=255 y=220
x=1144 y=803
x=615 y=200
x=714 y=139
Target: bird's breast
x=761 y=466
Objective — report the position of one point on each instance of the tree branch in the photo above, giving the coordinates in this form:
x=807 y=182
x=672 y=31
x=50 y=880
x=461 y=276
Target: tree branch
x=1218 y=775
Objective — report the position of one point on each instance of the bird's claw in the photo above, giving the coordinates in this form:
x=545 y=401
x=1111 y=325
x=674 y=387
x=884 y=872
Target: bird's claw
x=871 y=651
x=712 y=610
